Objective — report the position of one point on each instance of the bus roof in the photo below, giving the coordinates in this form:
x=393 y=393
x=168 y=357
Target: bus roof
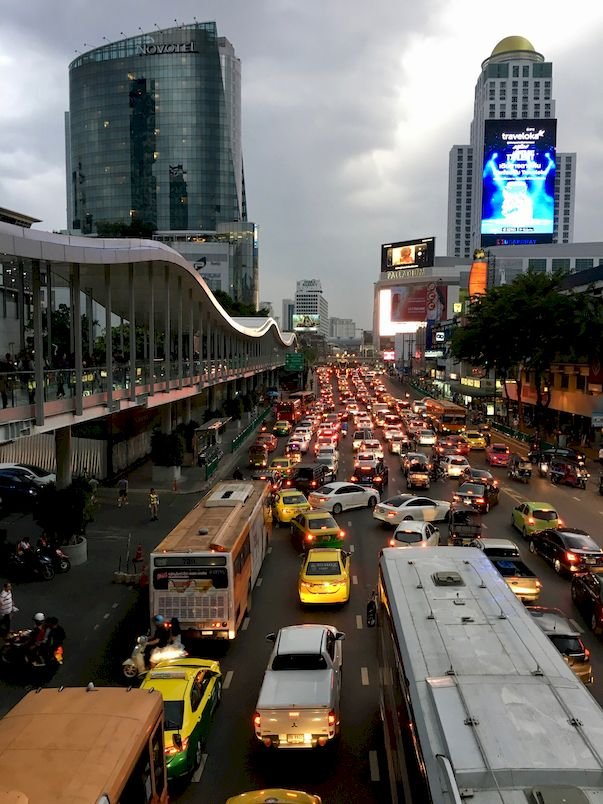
x=444 y=405
x=215 y=523
x=73 y=744
x=488 y=689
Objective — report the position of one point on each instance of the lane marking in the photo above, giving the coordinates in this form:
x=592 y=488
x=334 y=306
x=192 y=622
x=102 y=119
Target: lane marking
x=352 y=548
x=374 y=766
x=115 y=605
x=349 y=524
x=96 y=626
x=575 y=498
x=364 y=676
x=259 y=582
x=359 y=625
x=228 y=680
x=269 y=550
x=197 y=774
x=106 y=616
x=355 y=580
x=245 y=625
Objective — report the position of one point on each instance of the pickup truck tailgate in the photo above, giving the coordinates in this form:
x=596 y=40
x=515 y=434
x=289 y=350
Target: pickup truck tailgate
x=520 y=579
x=283 y=689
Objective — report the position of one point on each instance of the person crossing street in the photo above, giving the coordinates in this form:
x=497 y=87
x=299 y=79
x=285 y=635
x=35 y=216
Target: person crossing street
x=154 y=505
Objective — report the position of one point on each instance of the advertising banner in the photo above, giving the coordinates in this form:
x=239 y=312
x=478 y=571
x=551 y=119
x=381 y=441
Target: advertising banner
x=407 y=254
x=419 y=302
x=518 y=191
x=305 y=323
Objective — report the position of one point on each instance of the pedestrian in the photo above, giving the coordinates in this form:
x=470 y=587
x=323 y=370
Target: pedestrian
x=122 y=492
x=237 y=474
x=7 y=608
x=154 y=505
x=601 y=455
x=371 y=610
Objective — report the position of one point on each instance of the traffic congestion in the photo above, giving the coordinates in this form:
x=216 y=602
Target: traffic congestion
x=264 y=592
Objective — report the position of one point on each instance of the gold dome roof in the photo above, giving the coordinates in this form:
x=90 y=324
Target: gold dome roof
x=513 y=43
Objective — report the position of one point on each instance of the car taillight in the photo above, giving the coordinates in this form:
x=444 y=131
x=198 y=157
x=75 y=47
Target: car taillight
x=377 y=479
x=586 y=654
x=309 y=537
x=354 y=479
x=479 y=500
x=531 y=520
x=392 y=542
x=257 y=720
x=341 y=534
x=170 y=750
x=332 y=717
x=313 y=483
x=538 y=584
x=571 y=557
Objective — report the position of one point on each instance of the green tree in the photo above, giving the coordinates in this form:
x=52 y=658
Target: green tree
x=235 y=308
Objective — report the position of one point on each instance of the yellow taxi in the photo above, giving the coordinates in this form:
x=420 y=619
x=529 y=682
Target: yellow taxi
x=284 y=465
x=287 y=504
x=324 y=577
x=476 y=439
x=316 y=528
x=282 y=428
x=191 y=690
x=275 y=796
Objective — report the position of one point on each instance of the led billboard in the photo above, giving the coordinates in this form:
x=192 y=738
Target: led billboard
x=305 y=323
x=518 y=189
x=403 y=308
x=408 y=254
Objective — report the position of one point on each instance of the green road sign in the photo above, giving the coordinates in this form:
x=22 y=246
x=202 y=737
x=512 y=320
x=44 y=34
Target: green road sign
x=294 y=361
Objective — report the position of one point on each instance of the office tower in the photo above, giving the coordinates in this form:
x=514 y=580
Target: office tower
x=287 y=316
x=515 y=84
x=342 y=328
x=311 y=309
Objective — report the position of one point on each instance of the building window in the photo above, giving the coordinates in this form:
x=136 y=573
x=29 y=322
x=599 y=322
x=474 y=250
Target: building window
x=547 y=114
x=560 y=264
x=515 y=71
x=526 y=71
x=583 y=263
x=537 y=265
x=581 y=383
x=503 y=114
x=564 y=384
x=524 y=114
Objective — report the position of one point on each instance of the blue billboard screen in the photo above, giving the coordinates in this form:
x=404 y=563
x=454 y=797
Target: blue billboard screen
x=518 y=191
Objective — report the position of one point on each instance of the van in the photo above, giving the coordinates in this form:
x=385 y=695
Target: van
x=360 y=436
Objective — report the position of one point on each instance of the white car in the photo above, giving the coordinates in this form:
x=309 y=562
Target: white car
x=29 y=472
x=415 y=534
x=406 y=507
x=304 y=443
x=330 y=457
x=392 y=432
x=454 y=465
x=340 y=496
x=371 y=445
x=426 y=438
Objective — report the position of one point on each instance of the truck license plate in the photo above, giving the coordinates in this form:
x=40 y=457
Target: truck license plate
x=295 y=738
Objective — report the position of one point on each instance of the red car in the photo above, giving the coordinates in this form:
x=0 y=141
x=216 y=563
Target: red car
x=267 y=440
x=498 y=455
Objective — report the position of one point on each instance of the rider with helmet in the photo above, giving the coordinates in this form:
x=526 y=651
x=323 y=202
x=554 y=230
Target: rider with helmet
x=37 y=640
x=160 y=638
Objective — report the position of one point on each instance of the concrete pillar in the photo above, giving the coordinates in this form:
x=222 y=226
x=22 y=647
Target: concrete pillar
x=38 y=342
x=151 y=331
x=50 y=354
x=167 y=340
x=191 y=337
x=90 y=317
x=180 y=330
x=62 y=447
x=21 y=303
x=188 y=410
x=166 y=418
x=77 y=336
x=132 y=315
x=108 y=337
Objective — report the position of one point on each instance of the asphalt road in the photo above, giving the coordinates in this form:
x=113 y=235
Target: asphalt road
x=101 y=620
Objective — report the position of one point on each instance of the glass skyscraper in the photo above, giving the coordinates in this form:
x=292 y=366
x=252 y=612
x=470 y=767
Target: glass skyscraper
x=153 y=133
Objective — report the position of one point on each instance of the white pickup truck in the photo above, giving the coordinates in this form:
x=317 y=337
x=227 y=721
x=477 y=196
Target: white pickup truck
x=298 y=706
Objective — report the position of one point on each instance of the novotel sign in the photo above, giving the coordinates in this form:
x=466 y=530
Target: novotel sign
x=168 y=47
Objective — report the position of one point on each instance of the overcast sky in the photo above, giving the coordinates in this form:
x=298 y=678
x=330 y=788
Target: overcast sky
x=349 y=112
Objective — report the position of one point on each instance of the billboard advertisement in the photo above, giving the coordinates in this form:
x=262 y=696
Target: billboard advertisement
x=408 y=254
x=402 y=309
x=518 y=189
x=305 y=323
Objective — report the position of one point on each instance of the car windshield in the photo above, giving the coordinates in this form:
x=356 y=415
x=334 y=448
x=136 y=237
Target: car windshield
x=323 y=568
x=472 y=488
x=501 y=552
x=294 y=499
x=366 y=457
x=174 y=714
x=458 y=461
x=547 y=516
x=304 y=474
x=567 y=645
x=319 y=523
x=577 y=542
x=396 y=502
x=299 y=661
x=499 y=448
x=284 y=463
x=34 y=469
x=408 y=536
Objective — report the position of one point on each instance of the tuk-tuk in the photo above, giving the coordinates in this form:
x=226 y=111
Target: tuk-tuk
x=418 y=476
x=570 y=473
x=293 y=451
x=258 y=456
x=520 y=468
x=464 y=525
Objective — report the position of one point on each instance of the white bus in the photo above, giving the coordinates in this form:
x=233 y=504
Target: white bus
x=204 y=571
x=477 y=704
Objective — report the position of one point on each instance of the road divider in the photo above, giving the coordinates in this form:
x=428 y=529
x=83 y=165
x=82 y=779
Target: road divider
x=227 y=680
x=374 y=766
x=364 y=676
x=359 y=624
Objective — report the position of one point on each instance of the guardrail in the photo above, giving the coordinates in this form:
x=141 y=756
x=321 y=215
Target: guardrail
x=236 y=443
x=511 y=432
x=211 y=467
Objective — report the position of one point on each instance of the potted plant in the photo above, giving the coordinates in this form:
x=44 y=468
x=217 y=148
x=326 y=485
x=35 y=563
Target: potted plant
x=167 y=454
x=64 y=515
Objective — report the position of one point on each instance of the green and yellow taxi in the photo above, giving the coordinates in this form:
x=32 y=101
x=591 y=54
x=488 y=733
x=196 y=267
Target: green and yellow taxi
x=324 y=577
x=476 y=439
x=282 y=428
x=284 y=465
x=275 y=795
x=191 y=690
x=316 y=528
x=287 y=504
x=530 y=517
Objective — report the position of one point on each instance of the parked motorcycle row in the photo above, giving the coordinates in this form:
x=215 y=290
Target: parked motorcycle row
x=36 y=564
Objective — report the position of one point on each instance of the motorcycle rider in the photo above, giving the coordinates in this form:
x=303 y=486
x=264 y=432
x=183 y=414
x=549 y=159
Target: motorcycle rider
x=160 y=638
x=35 y=648
x=55 y=636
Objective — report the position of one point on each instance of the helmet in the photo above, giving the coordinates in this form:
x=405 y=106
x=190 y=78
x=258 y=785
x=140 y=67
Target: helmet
x=39 y=617
x=159 y=619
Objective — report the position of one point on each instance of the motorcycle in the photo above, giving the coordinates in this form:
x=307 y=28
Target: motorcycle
x=37 y=565
x=135 y=666
x=60 y=560
x=15 y=653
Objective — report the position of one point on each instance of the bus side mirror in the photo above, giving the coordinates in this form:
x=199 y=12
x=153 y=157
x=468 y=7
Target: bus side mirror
x=271 y=637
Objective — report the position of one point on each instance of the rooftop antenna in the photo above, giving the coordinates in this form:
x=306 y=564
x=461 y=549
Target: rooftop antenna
x=157 y=26
x=121 y=33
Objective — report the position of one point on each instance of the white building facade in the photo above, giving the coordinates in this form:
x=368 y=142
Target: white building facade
x=343 y=328
x=311 y=313
x=515 y=83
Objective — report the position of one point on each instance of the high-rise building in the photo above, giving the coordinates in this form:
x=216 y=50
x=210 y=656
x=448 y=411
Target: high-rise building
x=153 y=138
x=342 y=328
x=311 y=309
x=515 y=84
x=287 y=317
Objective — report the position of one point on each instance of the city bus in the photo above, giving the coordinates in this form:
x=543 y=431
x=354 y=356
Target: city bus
x=451 y=418
x=290 y=410
x=473 y=695
x=305 y=397
x=205 y=569
x=98 y=745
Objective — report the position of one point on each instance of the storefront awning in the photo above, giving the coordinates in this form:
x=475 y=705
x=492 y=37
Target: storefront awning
x=468 y=390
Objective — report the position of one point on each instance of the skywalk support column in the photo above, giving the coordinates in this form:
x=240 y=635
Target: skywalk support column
x=50 y=355
x=38 y=341
x=167 y=339
x=179 y=332
x=191 y=337
x=151 y=333
x=132 y=332
x=62 y=448
x=77 y=337
x=108 y=338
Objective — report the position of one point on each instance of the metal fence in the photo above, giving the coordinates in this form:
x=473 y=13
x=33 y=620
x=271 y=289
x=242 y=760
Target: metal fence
x=249 y=429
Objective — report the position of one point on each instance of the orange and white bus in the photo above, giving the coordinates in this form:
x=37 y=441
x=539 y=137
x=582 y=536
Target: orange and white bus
x=204 y=571
x=451 y=418
x=101 y=745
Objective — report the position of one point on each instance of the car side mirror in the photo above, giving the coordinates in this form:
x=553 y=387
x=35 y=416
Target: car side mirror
x=271 y=637
x=339 y=635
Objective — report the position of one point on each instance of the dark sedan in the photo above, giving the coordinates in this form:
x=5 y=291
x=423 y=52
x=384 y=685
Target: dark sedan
x=473 y=475
x=480 y=496
x=16 y=493
x=587 y=594
x=569 y=550
x=366 y=475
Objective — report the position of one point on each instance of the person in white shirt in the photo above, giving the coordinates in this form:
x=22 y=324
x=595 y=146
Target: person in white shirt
x=7 y=607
